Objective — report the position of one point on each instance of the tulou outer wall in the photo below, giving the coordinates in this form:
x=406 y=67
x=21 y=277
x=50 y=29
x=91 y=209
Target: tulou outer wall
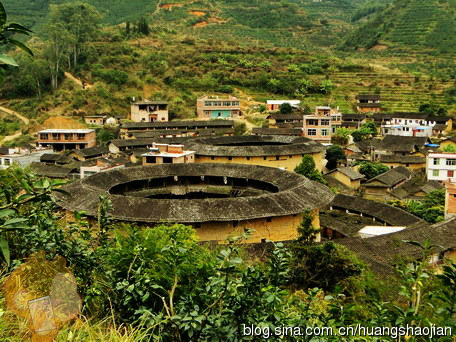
x=288 y=162
x=281 y=228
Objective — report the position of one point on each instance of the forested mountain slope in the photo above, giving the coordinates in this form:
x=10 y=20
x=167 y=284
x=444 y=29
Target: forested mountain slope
x=410 y=25
x=294 y=23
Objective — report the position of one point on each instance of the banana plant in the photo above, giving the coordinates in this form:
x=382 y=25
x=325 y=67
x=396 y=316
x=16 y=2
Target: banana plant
x=32 y=189
x=7 y=31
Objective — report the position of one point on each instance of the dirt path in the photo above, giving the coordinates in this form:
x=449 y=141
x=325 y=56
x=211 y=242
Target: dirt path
x=77 y=81
x=20 y=117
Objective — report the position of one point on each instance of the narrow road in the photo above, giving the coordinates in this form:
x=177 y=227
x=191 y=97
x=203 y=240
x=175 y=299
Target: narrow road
x=20 y=117
x=77 y=80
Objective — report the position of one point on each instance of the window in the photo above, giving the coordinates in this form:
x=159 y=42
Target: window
x=230 y=158
x=235 y=223
x=6 y=162
x=212 y=158
x=325 y=122
x=151 y=160
x=227 y=103
x=248 y=158
x=68 y=136
x=269 y=219
x=207 y=112
x=325 y=132
x=43 y=136
x=81 y=136
x=197 y=225
x=450 y=174
x=311 y=131
x=312 y=122
x=451 y=162
x=235 y=103
x=436 y=161
x=207 y=103
x=55 y=136
x=435 y=173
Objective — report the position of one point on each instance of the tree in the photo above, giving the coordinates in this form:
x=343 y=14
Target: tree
x=360 y=134
x=143 y=26
x=341 y=137
x=333 y=154
x=372 y=169
x=240 y=128
x=127 y=28
x=6 y=31
x=285 y=108
x=56 y=52
x=450 y=148
x=307 y=169
x=326 y=86
x=77 y=20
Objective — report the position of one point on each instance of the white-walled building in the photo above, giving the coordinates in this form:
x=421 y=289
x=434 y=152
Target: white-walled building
x=409 y=124
x=19 y=156
x=441 y=166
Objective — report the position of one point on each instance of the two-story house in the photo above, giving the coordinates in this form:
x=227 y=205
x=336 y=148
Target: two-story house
x=149 y=111
x=168 y=154
x=67 y=139
x=323 y=124
x=218 y=107
x=416 y=125
x=368 y=103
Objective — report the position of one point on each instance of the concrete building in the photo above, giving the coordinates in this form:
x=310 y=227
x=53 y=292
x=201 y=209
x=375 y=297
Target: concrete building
x=441 y=166
x=368 y=103
x=167 y=154
x=149 y=111
x=67 y=139
x=415 y=125
x=273 y=105
x=218 y=107
x=98 y=120
x=218 y=200
x=22 y=157
x=322 y=125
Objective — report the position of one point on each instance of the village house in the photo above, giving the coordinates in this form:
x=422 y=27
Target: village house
x=278 y=131
x=274 y=105
x=149 y=111
x=410 y=162
x=178 y=128
x=416 y=188
x=167 y=154
x=102 y=165
x=368 y=103
x=382 y=185
x=67 y=139
x=347 y=176
x=55 y=171
x=415 y=124
x=441 y=166
x=323 y=124
x=291 y=120
x=449 y=141
x=353 y=121
x=98 y=120
x=450 y=198
x=89 y=153
x=18 y=156
x=218 y=107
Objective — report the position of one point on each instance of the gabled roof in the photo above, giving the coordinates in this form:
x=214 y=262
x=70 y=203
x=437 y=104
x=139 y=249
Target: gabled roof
x=354 y=116
x=386 y=158
x=391 y=177
x=51 y=171
x=91 y=151
x=349 y=172
x=284 y=117
x=382 y=252
x=55 y=158
x=397 y=143
x=277 y=131
x=383 y=212
x=179 y=124
x=410 y=115
x=417 y=183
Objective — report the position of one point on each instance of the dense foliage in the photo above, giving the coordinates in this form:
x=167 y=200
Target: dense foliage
x=372 y=169
x=307 y=168
x=161 y=280
x=431 y=208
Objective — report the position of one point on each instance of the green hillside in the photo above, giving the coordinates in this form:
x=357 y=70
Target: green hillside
x=293 y=23
x=410 y=24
